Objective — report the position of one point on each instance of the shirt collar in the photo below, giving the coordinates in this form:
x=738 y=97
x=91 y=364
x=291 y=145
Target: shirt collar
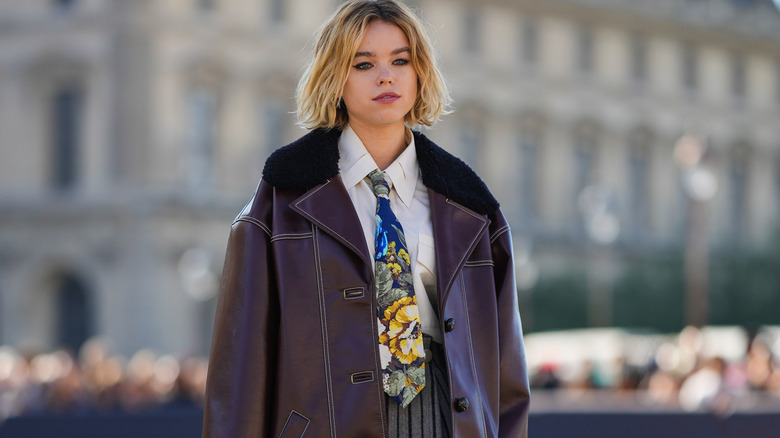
x=356 y=163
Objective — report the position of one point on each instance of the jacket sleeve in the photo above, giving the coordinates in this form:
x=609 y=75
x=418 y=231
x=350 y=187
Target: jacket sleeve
x=242 y=363
x=514 y=392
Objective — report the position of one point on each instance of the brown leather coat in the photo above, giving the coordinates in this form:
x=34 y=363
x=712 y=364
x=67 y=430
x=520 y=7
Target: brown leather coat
x=295 y=352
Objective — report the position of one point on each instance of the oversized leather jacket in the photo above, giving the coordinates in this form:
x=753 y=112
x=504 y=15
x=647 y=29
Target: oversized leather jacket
x=295 y=350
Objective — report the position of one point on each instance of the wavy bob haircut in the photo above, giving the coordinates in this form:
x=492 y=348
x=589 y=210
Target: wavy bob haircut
x=320 y=89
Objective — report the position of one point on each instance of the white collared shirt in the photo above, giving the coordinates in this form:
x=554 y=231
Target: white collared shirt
x=410 y=204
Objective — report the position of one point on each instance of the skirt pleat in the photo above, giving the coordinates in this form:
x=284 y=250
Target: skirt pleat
x=429 y=415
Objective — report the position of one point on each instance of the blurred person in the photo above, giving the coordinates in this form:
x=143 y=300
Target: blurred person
x=371 y=275
x=31 y=395
x=190 y=385
x=546 y=377
x=705 y=389
x=586 y=377
x=690 y=342
x=67 y=393
x=137 y=391
x=773 y=383
x=663 y=388
x=62 y=382
x=164 y=378
x=758 y=365
x=14 y=376
x=630 y=376
x=192 y=380
x=102 y=373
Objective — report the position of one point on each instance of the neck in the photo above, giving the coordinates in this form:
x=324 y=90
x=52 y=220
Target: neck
x=384 y=143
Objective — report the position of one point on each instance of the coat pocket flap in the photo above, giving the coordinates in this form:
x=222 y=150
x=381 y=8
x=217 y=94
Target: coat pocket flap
x=296 y=425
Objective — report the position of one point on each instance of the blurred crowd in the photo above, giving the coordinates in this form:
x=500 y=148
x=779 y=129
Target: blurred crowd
x=681 y=372
x=97 y=380
x=687 y=371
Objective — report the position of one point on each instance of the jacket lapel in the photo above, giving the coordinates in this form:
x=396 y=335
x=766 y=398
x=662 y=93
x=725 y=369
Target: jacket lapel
x=329 y=207
x=456 y=231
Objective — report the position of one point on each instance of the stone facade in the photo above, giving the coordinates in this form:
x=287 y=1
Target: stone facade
x=132 y=133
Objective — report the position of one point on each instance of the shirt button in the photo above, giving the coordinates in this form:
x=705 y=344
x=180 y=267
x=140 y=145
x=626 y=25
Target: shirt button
x=462 y=404
x=449 y=325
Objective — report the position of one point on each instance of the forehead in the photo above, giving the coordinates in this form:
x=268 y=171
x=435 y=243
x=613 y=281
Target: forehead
x=382 y=35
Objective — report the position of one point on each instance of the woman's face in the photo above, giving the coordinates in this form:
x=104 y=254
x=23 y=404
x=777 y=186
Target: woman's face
x=381 y=85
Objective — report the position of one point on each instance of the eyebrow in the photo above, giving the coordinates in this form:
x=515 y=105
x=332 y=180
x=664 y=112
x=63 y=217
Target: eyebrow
x=373 y=55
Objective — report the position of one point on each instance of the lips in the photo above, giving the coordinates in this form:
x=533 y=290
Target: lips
x=387 y=97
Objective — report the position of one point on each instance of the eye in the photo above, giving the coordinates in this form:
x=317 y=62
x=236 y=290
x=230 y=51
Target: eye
x=363 y=66
x=401 y=61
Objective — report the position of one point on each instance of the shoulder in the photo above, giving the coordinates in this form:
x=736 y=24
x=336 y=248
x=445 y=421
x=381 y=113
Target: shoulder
x=450 y=176
x=314 y=158
x=306 y=162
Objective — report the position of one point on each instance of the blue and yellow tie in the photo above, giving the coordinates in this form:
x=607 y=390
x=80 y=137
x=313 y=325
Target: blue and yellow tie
x=400 y=335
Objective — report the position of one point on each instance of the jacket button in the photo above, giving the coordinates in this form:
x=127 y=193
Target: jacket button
x=449 y=325
x=462 y=404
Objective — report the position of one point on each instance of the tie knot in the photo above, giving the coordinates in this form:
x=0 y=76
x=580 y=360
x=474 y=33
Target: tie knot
x=379 y=183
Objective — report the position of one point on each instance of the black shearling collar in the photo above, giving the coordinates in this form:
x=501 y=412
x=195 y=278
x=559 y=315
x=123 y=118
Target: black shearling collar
x=314 y=158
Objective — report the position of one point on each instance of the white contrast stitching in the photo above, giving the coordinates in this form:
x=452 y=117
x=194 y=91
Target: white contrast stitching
x=471 y=246
x=471 y=352
x=324 y=325
x=290 y=236
x=465 y=210
x=477 y=263
x=254 y=221
x=375 y=336
x=344 y=240
x=308 y=421
x=499 y=232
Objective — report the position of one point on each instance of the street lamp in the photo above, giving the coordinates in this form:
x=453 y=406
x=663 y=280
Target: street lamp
x=699 y=185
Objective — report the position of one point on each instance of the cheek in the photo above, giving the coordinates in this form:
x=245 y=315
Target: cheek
x=348 y=92
x=412 y=86
x=412 y=81
x=352 y=89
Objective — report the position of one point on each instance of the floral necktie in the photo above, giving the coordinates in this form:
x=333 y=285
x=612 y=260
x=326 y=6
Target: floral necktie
x=400 y=334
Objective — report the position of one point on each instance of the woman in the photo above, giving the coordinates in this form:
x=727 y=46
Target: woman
x=368 y=286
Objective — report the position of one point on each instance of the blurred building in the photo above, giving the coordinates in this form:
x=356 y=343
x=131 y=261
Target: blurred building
x=132 y=132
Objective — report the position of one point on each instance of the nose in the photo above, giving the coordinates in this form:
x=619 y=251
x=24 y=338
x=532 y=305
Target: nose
x=384 y=77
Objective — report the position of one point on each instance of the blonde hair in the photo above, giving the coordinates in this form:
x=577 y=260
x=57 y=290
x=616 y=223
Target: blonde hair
x=321 y=87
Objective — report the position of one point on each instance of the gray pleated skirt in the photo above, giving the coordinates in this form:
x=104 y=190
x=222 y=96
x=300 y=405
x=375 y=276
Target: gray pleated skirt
x=429 y=415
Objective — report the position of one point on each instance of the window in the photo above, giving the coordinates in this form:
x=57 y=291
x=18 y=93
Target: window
x=738 y=82
x=471 y=30
x=206 y=5
x=585 y=50
x=278 y=11
x=638 y=60
x=739 y=168
x=639 y=178
x=64 y=5
x=777 y=186
x=202 y=115
x=584 y=167
x=530 y=42
x=528 y=175
x=690 y=71
x=272 y=123
x=470 y=137
x=584 y=160
x=777 y=81
x=66 y=132
x=74 y=312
